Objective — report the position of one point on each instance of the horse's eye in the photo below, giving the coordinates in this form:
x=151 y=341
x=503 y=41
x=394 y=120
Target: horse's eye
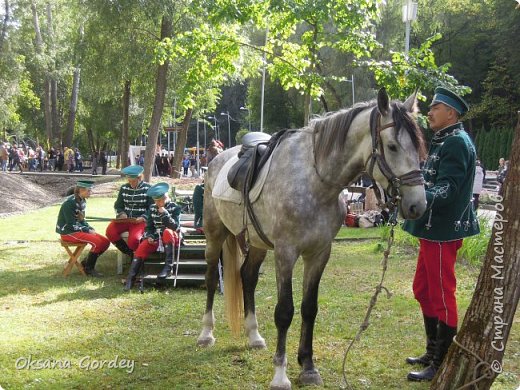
x=392 y=147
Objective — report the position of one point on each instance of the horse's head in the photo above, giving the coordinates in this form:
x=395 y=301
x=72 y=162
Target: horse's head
x=397 y=148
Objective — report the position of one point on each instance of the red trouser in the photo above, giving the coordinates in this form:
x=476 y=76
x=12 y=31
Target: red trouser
x=435 y=283
x=145 y=249
x=135 y=232
x=98 y=242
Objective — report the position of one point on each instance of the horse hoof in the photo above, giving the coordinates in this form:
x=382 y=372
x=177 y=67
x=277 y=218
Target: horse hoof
x=258 y=344
x=206 y=341
x=310 y=377
x=280 y=386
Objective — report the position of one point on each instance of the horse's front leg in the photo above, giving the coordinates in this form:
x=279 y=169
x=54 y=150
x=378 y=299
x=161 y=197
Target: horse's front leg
x=284 y=311
x=249 y=273
x=314 y=264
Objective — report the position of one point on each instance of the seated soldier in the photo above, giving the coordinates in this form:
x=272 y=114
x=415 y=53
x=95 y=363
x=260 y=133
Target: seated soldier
x=198 y=204
x=132 y=202
x=162 y=222
x=73 y=228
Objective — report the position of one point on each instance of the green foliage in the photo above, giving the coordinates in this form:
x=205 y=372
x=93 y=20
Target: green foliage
x=403 y=75
x=474 y=248
x=240 y=135
x=494 y=144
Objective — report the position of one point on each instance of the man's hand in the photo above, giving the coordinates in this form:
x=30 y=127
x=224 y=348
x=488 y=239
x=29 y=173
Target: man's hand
x=92 y=231
x=140 y=219
x=161 y=210
x=122 y=215
x=150 y=240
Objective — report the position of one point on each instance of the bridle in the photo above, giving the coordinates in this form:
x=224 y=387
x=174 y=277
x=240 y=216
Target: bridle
x=412 y=178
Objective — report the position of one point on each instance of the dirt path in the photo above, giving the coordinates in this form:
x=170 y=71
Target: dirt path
x=24 y=192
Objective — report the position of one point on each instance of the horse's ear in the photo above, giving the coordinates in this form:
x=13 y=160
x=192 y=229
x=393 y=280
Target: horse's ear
x=411 y=103
x=383 y=101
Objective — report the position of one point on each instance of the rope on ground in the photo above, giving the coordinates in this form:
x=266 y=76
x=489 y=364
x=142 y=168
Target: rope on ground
x=487 y=373
x=373 y=301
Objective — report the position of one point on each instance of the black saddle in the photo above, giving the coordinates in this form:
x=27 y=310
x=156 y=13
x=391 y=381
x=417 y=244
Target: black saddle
x=254 y=153
x=256 y=150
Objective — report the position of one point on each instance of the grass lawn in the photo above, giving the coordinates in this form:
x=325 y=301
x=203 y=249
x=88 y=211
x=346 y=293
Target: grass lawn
x=78 y=321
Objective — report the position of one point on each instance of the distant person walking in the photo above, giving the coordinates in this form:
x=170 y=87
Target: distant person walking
x=103 y=162
x=478 y=183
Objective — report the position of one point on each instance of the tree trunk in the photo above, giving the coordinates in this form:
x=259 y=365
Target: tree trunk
x=182 y=138
x=125 y=130
x=306 y=108
x=56 y=131
x=485 y=330
x=3 y=33
x=160 y=93
x=46 y=87
x=73 y=107
x=91 y=142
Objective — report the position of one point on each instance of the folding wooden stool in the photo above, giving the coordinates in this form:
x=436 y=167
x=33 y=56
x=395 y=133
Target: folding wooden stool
x=73 y=256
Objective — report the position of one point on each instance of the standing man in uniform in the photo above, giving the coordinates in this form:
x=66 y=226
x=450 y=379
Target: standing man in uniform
x=449 y=217
x=131 y=206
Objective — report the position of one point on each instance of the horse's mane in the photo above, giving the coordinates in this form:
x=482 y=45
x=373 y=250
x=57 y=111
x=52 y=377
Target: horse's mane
x=332 y=128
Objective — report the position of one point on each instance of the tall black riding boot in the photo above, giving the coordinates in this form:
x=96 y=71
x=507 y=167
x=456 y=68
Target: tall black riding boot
x=89 y=263
x=135 y=267
x=445 y=336
x=123 y=247
x=168 y=265
x=430 y=328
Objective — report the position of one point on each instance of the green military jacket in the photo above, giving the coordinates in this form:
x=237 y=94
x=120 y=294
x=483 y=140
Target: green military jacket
x=157 y=222
x=133 y=201
x=448 y=174
x=71 y=218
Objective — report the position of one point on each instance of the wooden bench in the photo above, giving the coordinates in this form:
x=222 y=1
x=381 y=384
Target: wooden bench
x=73 y=256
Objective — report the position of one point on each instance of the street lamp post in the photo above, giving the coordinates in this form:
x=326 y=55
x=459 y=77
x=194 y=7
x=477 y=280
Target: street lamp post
x=409 y=15
x=216 y=127
x=198 y=148
x=351 y=81
x=228 y=126
x=248 y=116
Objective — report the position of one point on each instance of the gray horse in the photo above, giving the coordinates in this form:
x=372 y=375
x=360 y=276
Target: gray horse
x=300 y=213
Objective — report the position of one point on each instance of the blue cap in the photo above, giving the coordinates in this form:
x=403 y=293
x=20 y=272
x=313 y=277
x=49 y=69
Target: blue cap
x=132 y=171
x=451 y=99
x=157 y=191
x=85 y=183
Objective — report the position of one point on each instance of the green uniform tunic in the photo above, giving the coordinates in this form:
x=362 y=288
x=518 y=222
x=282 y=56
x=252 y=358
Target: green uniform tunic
x=133 y=201
x=448 y=174
x=71 y=218
x=156 y=221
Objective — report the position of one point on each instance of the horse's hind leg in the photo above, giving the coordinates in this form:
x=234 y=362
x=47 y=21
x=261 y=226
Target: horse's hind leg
x=313 y=269
x=216 y=234
x=249 y=273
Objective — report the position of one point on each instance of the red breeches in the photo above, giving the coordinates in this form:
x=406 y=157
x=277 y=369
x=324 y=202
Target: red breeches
x=135 y=232
x=434 y=284
x=98 y=243
x=145 y=249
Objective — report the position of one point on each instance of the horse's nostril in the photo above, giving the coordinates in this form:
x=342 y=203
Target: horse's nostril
x=413 y=210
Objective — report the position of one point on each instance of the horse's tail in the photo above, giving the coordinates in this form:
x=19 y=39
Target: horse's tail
x=234 y=298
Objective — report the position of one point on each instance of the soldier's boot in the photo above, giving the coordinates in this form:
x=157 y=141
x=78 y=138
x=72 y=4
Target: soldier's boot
x=89 y=263
x=430 y=328
x=135 y=267
x=168 y=265
x=445 y=336
x=123 y=247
